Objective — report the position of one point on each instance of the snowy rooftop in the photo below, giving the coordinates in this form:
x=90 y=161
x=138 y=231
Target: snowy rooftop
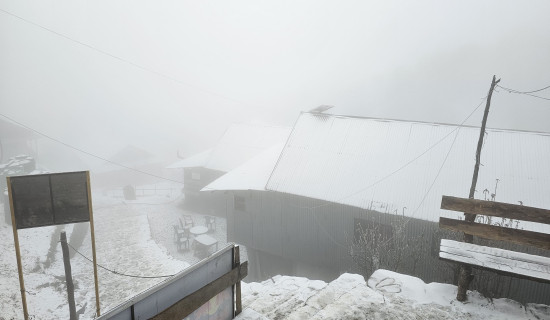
x=197 y=160
x=239 y=143
x=399 y=166
x=390 y=165
x=252 y=175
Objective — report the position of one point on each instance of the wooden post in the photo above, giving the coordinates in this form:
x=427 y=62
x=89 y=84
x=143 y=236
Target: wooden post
x=68 y=275
x=92 y=234
x=465 y=274
x=17 y=252
x=238 y=303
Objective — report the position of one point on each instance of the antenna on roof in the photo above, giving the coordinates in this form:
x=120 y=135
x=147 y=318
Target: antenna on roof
x=320 y=109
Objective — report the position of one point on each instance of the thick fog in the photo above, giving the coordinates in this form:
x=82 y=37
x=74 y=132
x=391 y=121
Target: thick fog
x=173 y=75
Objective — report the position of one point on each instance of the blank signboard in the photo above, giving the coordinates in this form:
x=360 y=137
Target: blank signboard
x=50 y=199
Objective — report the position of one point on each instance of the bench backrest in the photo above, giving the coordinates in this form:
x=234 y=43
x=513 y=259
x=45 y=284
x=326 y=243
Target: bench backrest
x=497 y=209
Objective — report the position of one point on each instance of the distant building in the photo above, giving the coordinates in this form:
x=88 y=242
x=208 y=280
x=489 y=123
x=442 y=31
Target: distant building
x=131 y=165
x=350 y=194
x=239 y=143
x=16 y=140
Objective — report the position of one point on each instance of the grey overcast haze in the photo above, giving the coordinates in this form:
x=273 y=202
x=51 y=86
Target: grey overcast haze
x=173 y=75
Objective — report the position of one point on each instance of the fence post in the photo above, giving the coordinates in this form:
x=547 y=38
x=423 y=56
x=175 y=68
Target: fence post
x=238 y=303
x=68 y=275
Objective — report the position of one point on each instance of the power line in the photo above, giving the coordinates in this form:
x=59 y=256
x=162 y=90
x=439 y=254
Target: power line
x=120 y=273
x=404 y=165
x=89 y=153
x=516 y=91
x=457 y=129
x=527 y=93
x=125 y=60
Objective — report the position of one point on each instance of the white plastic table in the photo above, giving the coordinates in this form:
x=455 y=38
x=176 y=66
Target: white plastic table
x=198 y=230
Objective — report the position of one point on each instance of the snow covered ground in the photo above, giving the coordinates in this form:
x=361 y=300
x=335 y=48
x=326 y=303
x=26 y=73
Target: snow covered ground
x=132 y=237
x=386 y=295
x=136 y=238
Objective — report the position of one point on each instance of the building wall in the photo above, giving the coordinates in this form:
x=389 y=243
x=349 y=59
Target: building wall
x=321 y=240
x=194 y=180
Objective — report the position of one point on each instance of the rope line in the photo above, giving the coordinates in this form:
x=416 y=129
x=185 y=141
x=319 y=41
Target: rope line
x=120 y=273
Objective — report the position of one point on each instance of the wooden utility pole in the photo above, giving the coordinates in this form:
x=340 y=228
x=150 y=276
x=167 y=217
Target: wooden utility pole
x=68 y=275
x=465 y=273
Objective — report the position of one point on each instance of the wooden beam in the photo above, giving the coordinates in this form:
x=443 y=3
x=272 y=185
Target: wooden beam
x=511 y=263
x=17 y=252
x=192 y=302
x=496 y=209
x=531 y=238
x=92 y=236
x=238 y=301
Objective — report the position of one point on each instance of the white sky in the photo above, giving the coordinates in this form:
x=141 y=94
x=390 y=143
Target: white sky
x=260 y=61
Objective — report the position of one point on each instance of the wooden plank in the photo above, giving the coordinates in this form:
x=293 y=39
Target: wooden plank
x=17 y=252
x=500 y=260
x=531 y=238
x=92 y=236
x=192 y=302
x=496 y=209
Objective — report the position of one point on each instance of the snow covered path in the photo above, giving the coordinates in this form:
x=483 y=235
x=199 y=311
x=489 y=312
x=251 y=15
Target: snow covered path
x=388 y=295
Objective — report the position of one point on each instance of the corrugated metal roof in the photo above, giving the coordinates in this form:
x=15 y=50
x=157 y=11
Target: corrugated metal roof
x=241 y=142
x=396 y=166
x=252 y=175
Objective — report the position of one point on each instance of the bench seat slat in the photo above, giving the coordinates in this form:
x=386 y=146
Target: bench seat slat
x=531 y=266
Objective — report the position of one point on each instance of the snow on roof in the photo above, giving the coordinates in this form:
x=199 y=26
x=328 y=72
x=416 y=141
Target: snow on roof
x=239 y=143
x=252 y=175
x=197 y=160
x=405 y=167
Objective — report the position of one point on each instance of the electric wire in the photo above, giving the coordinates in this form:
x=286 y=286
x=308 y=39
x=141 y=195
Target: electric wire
x=125 y=60
x=516 y=91
x=527 y=93
x=403 y=166
x=89 y=153
x=457 y=129
x=119 y=273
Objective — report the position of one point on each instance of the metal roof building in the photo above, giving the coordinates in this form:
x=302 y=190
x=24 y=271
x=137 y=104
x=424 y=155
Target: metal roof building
x=400 y=166
x=338 y=179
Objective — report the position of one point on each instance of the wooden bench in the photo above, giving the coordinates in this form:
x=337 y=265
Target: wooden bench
x=508 y=262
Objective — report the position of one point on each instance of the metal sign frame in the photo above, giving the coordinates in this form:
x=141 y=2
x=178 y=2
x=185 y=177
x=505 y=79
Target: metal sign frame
x=65 y=220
